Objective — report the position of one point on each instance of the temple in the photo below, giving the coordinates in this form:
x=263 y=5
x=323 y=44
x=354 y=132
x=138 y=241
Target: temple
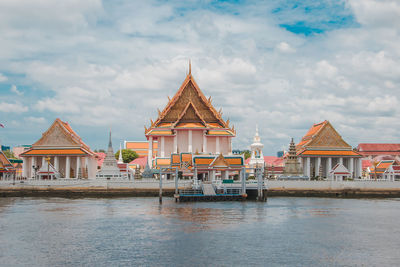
x=109 y=168
x=257 y=157
x=7 y=170
x=322 y=148
x=190 y=133
x=59 y=153
x=292 y=165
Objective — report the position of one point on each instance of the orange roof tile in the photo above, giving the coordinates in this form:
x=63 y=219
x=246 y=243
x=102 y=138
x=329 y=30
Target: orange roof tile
x=203 y=161
x=215 y=132
x=330 y=153
x=160 y=132
x=163 y=161
x=75 y=151
x=190 y=125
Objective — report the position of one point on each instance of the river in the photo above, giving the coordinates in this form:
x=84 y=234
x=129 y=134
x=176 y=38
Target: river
x=140 y=232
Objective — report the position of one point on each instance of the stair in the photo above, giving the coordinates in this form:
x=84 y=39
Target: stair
x=208 y=190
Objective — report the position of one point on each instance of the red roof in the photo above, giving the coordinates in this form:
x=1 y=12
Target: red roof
x=100 y=158
x=141 y=161
x=269 y=160
x=366 y=163
x=378 y=147
x=396 y=167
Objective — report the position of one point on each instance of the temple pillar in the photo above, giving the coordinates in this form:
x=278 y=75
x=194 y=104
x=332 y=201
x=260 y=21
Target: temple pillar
x=25 y=166
x=351 y=167
x=358 y=167
x=43 y=161
x=56 y=163
x=176 y=142
x=78 y=166
x=308 y=167
x=150 y=152
x=341 y=161
x=67 y=167
x=217 y=150
x=190 y=145
x=328 y=167
x=317 y=166
x=204 y=141
x=87 y=166
x=162 y=145
x=33 y=163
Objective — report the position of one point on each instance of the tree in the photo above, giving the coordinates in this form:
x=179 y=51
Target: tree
x=127 y=155
x=99 y=150
x=247 y=154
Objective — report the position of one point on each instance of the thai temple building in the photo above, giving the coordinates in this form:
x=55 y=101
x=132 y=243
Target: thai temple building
x=141 y=147
x=322 y=148
x=7 y=169
x=59 y=153
x=192 y=136
x=257 y=157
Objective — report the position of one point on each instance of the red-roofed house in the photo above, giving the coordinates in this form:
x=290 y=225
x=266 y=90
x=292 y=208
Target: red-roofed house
x=373 y=150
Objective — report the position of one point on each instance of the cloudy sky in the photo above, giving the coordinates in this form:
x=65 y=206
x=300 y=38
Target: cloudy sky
x=284 y=66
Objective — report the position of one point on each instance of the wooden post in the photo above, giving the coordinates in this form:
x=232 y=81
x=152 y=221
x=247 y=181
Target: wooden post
x=160 y=194
x=176 y=181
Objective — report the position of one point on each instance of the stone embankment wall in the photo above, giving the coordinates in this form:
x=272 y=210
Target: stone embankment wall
x=368 y=188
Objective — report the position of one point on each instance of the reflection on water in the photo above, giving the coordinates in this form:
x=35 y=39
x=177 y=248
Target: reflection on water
x=138 y=231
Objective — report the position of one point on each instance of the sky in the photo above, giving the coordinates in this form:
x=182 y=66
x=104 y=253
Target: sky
x=277 y=64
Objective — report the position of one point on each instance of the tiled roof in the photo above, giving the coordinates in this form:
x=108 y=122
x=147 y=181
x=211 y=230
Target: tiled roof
x=378 y=147
x=329 y=153
x=74 y=151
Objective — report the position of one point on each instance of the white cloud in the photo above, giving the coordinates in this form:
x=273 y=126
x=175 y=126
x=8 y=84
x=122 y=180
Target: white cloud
x=99 y=63
x=14 y=89
x=285 y=48
x=35 y=120
x=3 y=78
x=16 y=107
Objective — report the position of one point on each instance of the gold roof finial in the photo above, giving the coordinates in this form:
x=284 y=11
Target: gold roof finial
x=190 y=67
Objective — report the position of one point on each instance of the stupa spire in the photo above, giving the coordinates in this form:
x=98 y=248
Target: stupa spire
x=120 y=154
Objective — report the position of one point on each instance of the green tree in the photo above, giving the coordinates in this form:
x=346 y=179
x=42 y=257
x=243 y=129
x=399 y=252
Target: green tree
x=247 y=154
x=99 y=150
x=127 y=155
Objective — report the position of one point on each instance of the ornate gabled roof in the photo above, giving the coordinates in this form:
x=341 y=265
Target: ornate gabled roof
x=189 y=105
x=59 y=136
x=322 y=136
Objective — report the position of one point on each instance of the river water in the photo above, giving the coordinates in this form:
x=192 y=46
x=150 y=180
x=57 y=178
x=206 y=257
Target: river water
x=140 y=232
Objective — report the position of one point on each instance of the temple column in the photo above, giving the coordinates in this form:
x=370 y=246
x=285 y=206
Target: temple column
x=341 y=161
x=351 y=167
x=358 y=168
x=217 y=150
x=328 y=167
x=308 y=167
x=56 y=163
x=25 y=166
x=190 y=145
x=67 y=167
x=162 y=146
x=33 y=163
x=176 y=142
x=204 y=141
x=78 y=166
x=87 y=166
x=317 y=166
x=230 y=145
x=43 y=161
x=150 y=151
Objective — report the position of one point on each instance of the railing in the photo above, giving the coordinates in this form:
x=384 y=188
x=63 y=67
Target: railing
x=190 y=192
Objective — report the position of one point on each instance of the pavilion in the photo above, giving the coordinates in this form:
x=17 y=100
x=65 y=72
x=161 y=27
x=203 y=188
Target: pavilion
x=322 y=148
x=189 y=130
x=7 y=169
x=60 y=151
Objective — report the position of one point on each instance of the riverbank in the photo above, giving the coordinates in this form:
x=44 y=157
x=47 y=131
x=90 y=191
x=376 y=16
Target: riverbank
x=150 y=188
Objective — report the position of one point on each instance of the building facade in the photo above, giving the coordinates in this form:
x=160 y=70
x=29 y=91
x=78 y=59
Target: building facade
x=322 y=148
x=60 y=151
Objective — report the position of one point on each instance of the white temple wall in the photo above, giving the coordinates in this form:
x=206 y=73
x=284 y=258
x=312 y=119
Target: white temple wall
x=211 y=144
x=182 y=141
x=197 y=141
x=224 y=144
x=168 y=146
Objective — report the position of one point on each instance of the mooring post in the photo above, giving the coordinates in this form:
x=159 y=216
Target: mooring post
x=176 y=181
x=259 y=185
x=243 y=172
x=160 y=194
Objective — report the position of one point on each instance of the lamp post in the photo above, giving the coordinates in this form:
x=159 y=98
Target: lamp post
x=35 y=168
